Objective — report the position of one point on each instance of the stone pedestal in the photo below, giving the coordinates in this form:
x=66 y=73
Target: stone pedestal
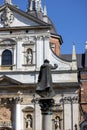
x=46 y=109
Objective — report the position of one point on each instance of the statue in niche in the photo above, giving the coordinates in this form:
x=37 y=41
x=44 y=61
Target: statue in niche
x=44 y=86
x=29 y=56
x=28 y=121
x=56 y=121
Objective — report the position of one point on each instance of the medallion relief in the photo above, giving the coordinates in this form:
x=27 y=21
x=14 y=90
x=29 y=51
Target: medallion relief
x=5 y=114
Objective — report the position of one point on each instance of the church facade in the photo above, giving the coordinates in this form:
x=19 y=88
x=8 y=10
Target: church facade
x=26 y=40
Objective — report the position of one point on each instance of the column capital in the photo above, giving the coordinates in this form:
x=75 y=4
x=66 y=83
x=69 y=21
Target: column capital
x=11 y=100
x=46 y=105
x=18 y=100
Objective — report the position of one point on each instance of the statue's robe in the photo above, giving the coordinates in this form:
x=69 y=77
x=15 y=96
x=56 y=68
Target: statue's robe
x=44 y=86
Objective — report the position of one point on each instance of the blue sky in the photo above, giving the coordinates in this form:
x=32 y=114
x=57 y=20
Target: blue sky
x=69 y=18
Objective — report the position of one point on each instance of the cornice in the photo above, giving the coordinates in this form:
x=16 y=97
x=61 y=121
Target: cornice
x=24 y=28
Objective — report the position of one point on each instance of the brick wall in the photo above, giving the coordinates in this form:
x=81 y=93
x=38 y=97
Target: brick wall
x=56 y=44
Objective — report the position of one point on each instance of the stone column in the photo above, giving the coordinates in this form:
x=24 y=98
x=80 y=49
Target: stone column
x=46 y=109
x=18 y=113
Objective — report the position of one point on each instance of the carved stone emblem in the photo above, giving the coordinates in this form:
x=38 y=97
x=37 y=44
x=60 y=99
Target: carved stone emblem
x=7 y=17
x=5 y=114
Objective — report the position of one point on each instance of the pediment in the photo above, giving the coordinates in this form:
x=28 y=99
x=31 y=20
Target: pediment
x=11 y=16
x=7 y=42
x=5 y=81
x=28 y=109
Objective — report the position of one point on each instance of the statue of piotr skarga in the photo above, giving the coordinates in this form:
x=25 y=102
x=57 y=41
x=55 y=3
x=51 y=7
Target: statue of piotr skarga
x=44 y=85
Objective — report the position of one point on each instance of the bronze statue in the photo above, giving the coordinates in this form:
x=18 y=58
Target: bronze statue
x=44 y=86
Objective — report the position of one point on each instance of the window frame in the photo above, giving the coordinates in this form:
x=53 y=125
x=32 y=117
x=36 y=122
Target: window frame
x=6 y=59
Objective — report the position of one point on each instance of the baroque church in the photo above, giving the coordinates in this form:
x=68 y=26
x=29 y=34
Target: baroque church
x=26 y=40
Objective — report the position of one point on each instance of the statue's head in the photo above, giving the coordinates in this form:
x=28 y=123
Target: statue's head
x=46 y=61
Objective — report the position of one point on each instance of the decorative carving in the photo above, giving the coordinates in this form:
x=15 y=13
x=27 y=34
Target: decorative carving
x=18 y=100
x=29 y=56
x=28 y=121
x=57 y=123
x=5 y=114
x=35 y=100
x=19 y=38
x=28 y=40
x=46 y=105
x=68 y=100
x=5 y=101
x=38 y=38
x=6 y=124
x=7 y=17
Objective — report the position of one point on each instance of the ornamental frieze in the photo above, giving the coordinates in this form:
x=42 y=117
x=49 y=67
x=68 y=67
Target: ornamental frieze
x=68 y=100
x=15 y=100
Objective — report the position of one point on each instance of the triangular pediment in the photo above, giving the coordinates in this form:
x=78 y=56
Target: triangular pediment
x=5 y=81
x=11 y=16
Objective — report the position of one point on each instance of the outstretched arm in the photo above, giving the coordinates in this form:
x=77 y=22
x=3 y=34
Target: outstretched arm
x=54 y=67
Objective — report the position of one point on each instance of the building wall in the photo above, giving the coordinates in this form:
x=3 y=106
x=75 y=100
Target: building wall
x=55 y=45
x=83 y=92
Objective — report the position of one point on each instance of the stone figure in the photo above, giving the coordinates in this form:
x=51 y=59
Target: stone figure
x=57 y=123
x=44 y=86
x=29 y=56
x=29 y=121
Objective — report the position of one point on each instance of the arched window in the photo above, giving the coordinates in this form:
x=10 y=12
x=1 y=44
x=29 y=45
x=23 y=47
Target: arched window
x=7 y=57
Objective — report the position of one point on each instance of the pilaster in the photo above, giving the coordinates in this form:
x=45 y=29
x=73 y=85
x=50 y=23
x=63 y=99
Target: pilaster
x=39 y=51
x=46 y=47
x=19 y=53
x=70 y=108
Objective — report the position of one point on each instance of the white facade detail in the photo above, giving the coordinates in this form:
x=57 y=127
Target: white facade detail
x=18 y=117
